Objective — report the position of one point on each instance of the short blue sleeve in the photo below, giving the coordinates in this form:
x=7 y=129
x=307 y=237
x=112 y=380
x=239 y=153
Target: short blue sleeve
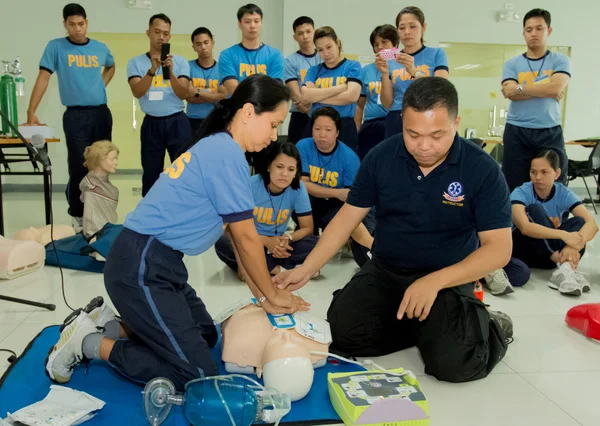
x=568 y=200
x=441 y=61
x=227 y=69
x=183 y=67
x=50 y=57
x=509 y=71
x=110 y=60
x=132 y=69
x=365 y=87
x=563 y=65
x=302 y=204
x=230 y=191
x=351 y=166
x=290 y=71
x=355 y=73
x=277 y=67
x=311 y=74
x=521 y=195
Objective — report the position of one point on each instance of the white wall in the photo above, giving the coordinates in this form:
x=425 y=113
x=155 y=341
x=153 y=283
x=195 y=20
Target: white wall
x=28 y=25
x=473 y=21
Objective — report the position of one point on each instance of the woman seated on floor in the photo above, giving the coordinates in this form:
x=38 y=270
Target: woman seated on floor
x=278 y=192
x=328 y=171
x=544 y=238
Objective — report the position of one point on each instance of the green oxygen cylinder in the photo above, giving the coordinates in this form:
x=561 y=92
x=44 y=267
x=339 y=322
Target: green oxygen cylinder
x=8 y=103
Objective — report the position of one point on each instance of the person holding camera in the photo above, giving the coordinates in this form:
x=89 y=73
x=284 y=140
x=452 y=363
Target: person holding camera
x=165 y=126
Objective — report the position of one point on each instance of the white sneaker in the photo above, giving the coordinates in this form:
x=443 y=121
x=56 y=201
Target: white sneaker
x=565 y=281
x=100 y=312
x=77 y=223
x=68 y=353
x=585 y=284
x=497 y=282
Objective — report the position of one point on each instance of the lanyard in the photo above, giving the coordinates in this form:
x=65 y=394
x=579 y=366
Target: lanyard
x=539 y=71
x=255 y=55
x=276 y=213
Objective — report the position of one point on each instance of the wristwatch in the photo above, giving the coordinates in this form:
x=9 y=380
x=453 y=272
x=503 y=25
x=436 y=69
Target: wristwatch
x=290 y=236
x=519 y=89
x=418 y=74
x=151 y=74
x=260 y=301
x=197 y=94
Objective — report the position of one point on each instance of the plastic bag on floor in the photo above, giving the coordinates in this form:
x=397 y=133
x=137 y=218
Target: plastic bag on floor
x=61 y=407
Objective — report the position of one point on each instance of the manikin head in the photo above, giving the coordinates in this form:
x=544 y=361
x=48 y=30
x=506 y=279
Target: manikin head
x=287 y=365
x=101 y=157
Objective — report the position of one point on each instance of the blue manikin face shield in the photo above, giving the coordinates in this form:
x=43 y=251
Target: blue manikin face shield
x=233 y=399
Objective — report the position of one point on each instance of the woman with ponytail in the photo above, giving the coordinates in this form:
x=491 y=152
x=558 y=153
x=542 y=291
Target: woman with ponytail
x=205 y=191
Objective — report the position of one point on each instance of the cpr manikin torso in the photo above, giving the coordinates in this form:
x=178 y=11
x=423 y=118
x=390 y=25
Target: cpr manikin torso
x=251 y=344
x=98 y=195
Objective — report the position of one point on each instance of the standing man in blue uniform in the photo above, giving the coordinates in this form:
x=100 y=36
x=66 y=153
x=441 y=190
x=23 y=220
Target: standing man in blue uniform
x=535 y=83
x=372 y=129
x=165 y=126
x=78 y=62
x=418 y=288
x=296 y=67
x=251 y=56
x=204 y=72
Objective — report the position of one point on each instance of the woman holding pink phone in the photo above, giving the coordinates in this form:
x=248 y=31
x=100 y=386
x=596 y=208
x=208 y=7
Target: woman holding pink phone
x=414 y=61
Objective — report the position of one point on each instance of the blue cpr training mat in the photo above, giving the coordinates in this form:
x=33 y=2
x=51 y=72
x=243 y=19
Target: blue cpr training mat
x=26 y=383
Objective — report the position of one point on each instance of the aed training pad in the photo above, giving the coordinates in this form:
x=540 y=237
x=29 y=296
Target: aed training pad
x=378 y=398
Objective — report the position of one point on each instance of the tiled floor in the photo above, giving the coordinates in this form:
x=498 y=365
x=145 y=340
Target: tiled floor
x=549 y=376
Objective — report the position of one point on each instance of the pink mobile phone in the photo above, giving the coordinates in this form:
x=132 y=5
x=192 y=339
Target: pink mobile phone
x=389 y=54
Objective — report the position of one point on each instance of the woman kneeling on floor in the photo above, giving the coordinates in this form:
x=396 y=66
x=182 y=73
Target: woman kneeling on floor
x=278 y=192
x=543 y=238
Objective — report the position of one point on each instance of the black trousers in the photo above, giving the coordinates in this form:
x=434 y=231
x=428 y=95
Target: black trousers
x=196 y=123
x=298 y=122
x=536 y=252
x=458 y=342
x=82 y=126
x=173 y=332
x=302 y=249
x=521 y=145
x=160 y=134
x=393 y=123
x=370 y=134
x=348 y=133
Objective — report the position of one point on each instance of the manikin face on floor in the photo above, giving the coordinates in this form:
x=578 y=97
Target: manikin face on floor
x=110 y=162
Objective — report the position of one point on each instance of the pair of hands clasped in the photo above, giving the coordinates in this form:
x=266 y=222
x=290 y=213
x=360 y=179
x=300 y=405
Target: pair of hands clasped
x=417 y=302
x=575 y=242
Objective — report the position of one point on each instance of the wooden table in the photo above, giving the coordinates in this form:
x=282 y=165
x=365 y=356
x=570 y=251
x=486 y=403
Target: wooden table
x=23 y=157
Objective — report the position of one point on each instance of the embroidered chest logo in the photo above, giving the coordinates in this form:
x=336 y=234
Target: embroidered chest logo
x=454 y=196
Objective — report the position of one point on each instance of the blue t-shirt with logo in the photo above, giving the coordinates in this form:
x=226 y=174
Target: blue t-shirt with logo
x=560 y=200
x=206 y=79
x=206 y=188
x=536 y=113
x=428 y=60
x=343 y=73
x=296 y=67
x=273 y=211
x=336 y=169
x=371 y=89
x=79 y=70
x=237 y=62
x=160 y=100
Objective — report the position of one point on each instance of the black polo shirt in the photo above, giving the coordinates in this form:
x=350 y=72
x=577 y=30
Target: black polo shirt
x=426 y=223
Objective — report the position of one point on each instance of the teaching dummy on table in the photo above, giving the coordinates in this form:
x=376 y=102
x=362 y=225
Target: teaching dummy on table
x=275 y=347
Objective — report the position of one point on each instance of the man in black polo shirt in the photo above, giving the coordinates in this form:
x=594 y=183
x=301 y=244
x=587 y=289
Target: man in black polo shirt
x=443 y=221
